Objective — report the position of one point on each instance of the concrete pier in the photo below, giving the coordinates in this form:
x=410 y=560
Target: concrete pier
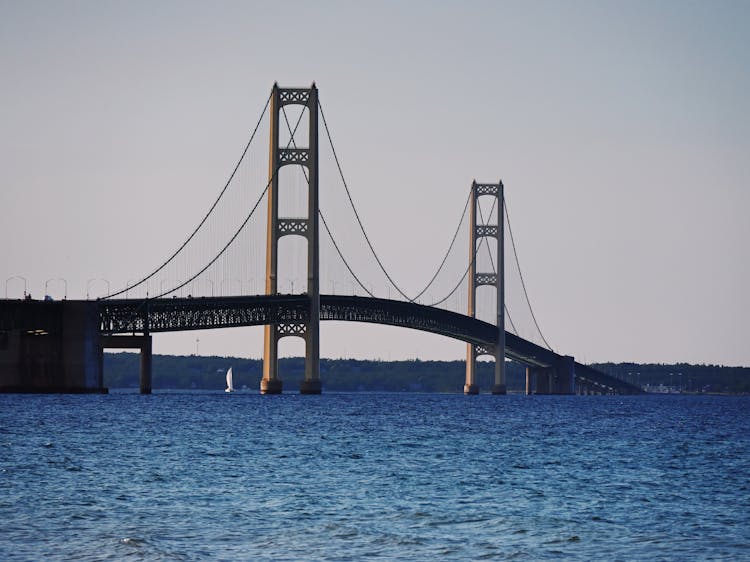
x=271 y=386
x=310 y=387
x=471 y=389
x=146 y=361
x=144 y=344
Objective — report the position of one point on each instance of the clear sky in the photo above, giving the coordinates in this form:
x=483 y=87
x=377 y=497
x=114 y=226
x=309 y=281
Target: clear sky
x=621 y=131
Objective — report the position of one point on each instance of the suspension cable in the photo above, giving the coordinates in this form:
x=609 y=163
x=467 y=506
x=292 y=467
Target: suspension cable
x=359 y=282
x=372 y=249
x=320 y=213
x=362 y=228
x=205 y=218
x=472 y=262
x=450 y=248
x=343 y=259
x=520 y=274
x=232 y=239
x=442 y=263
x=237 y=232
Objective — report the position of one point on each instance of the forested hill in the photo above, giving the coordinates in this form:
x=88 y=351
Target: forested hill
x=121 y=371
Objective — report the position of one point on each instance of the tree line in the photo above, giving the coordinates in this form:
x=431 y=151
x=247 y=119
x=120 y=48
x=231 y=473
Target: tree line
x=121 y=370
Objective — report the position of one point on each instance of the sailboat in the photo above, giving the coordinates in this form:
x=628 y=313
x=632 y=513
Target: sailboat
x=230 y=382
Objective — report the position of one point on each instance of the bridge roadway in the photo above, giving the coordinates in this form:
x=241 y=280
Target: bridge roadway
x=135 y=316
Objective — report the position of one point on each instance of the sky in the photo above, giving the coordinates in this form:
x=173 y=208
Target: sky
x=620 y=130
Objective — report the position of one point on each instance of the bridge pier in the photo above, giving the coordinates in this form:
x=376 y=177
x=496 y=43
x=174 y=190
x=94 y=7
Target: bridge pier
x=146 y=362
x=271 y=386
x=270 y=383
x=144 y=344
x=470 y=386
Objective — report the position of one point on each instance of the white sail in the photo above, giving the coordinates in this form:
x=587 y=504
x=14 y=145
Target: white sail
x=230 y=382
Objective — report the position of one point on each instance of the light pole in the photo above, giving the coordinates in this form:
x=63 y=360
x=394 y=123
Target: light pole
x=15 y=277
x=46 y=284
x=212 y=286
x=128 y=287
x=88 y=285
x=291 y=285
x=230 y=280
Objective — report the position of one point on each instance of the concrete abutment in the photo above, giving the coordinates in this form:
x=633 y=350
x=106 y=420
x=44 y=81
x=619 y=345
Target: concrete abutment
x=556 y=379
x=50 y=346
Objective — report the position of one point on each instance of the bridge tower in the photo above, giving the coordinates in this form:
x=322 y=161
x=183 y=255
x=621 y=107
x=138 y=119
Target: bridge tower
x=476 y=280
x=308 y=327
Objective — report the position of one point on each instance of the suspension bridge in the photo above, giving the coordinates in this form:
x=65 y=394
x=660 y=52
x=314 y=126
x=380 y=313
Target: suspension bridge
x=260 y=239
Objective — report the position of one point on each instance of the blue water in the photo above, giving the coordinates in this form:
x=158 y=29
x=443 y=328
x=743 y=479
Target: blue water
x=196 y=476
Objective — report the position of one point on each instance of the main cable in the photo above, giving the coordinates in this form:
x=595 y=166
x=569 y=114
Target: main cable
x=520 y=274
x=343 y=259
x=232 y=239
x=239 y=230
x=472 y=262
x=362 y=228
x=205 y=218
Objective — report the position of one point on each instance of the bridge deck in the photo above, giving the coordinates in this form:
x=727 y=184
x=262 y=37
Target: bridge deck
x=178 y=314
x=119 y=317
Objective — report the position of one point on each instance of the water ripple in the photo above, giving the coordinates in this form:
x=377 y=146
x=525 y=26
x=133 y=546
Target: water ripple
x=195 y=476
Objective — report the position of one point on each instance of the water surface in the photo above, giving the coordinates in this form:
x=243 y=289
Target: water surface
x=198 y=475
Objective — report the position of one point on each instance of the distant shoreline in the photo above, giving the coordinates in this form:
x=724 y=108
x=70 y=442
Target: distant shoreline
x=350 y=375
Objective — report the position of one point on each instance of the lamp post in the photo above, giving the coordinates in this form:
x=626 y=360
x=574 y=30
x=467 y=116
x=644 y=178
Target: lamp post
x=291 y=284
x=212 y=286
x=128 y=286
x=11 y=279
x=231 y=280
x=46 y=284
x=88 y=285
